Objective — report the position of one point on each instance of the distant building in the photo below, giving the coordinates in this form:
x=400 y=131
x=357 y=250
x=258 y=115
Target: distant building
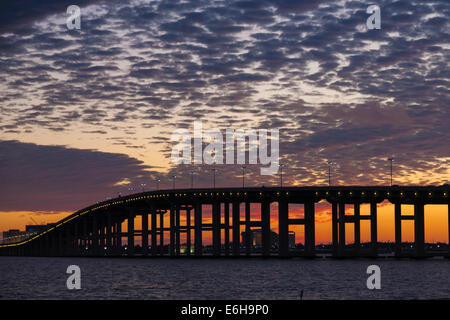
x=12 y=235
x=256 y=238
x=291 y=239
x=15 y=235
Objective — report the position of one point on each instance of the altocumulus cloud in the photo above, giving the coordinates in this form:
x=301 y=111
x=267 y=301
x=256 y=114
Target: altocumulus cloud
x=308 y=68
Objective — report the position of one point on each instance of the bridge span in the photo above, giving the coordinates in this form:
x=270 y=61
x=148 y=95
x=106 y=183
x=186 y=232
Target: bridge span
x=97 y=229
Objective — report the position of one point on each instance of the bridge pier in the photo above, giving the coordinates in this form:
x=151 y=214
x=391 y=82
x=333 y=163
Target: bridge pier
x=266 y=232
x=248 y=239
x=161 y=234
x=198 y=245
x=357 y=226
x=130 y=233
x=283 y=228
x=177 y=231
x=216 y=228
x=373 y=228
x=119 y=237
x=236 y=228
x=310 y=241
x=60 y=243
x=145 y=233
x=334 y=228
x=419 y=229
x=188 y=231
x=172 y=231
x=94 y=238
x=227 y=228
x=341 y=213
x=154 y=232
x=398 y=228
x=102 y=221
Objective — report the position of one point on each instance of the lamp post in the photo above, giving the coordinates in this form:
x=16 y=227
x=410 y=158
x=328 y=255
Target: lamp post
x=214 y=177
x=243 y=176
x=174 y=177
x=329 y=163
x=191 y=173
x=143 y=186
x=391 y=159
x=157 y=183
x=281 y=174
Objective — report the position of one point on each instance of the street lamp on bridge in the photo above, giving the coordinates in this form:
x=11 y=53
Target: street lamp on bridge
x=329 y=163
x=243 y=176
x=174 y=178
x=391 y=160
x=143 y=186
x=281 y=174
x=191 y=173
x=214 y=177
x=157 y=183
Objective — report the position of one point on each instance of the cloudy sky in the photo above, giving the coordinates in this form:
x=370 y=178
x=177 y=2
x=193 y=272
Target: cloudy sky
x=86 y=114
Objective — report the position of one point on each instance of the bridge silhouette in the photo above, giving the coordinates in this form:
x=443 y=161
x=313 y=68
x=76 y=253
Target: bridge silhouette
x=96 y=230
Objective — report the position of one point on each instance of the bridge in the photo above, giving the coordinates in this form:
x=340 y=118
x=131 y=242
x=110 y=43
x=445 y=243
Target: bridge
x=97 y=229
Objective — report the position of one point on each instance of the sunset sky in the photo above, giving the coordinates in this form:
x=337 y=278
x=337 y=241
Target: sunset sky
x=87 y=114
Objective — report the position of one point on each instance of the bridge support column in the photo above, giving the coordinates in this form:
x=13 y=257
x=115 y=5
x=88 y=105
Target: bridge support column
x=154 y=232
x=283 y=228
x=236 y=228
x=145 y=233
x=108 y=233
x=67 y=247
x=248 y=231
x=341 y=251
x=177 y=231
x=357 y=225
x=188 y=231
x=227 y=228
x=419 y=229
x=85 y=241
x=77 y=238
x=216 y=228
x=310 y=228
x=119 y=237
x=94 y=238
x=373 y=228
x=102 y=236
x=60 y=243
x=172 y=231
x=266 y=232
x=113 y=236
x=130 y=246
x=198 y=245
x=334 y=228
x=398 y=229
x=161 y=234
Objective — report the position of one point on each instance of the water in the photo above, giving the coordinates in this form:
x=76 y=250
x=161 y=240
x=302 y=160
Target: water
x=116 y=278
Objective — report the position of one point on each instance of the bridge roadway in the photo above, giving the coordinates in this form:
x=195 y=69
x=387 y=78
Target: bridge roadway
x=96 y=230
